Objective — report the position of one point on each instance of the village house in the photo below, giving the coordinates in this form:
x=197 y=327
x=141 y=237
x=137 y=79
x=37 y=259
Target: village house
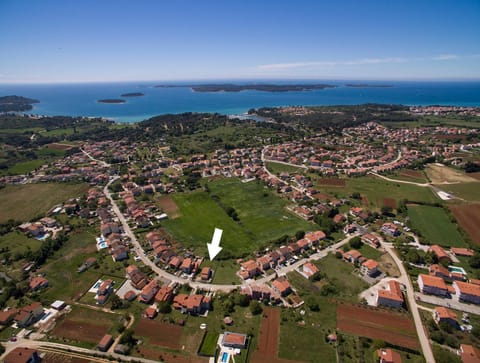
x=29 y=314
x=282 y=286
x=105 y=343
x=440 y=253
x=444 y=315
x=89 y=262
x=192 y=304
x=309 y=269
x=371 y=240
x=149 y=291
x=38 y=282
x=256 y=292
x=234 y=340
x=7 y=316
x=432 y=285
x=369 y=268
x=138 y=279
x=150 y=312
x=465 y=252
x=23 y=355
x=103 y=292
x=390 y=229
x=249 y=269
x=439 y=271
x=387 y=355
x=264 y=263
x=165 y=293
x=353 y=256
x=467 y=292
x=349 y=228
x=206 y=274
x=392 y=296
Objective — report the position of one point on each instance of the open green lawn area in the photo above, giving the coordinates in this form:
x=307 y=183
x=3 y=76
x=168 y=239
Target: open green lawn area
x=277 y=168
x=467 y=191
x=376 y=190
x=370 y=252
x=18 y=242
x=435 y=225
x=209 y=344
x=24 y=167
x=262 y=215
x=24 y=202
x=224 y=271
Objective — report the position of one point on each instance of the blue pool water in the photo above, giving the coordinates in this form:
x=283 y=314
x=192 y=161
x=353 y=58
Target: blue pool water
x=224 y=357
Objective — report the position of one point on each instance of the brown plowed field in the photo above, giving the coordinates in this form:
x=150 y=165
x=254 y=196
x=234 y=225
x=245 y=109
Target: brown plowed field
x=82 y=331
x=168 y=357
x=468 y=217
x=376 y=324
x=169 y=206
x=61 y=358
x=390 y=202
x=57 y=146
x=267 y=349
x=412 y=174
x=332 y=182
x=160 y=334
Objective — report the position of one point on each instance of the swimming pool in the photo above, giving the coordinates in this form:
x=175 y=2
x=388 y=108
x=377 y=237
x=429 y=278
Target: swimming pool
x=224 y=357
x=457 y=269
x=45 y=316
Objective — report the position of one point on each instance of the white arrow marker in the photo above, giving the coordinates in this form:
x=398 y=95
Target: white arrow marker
x=214 y=247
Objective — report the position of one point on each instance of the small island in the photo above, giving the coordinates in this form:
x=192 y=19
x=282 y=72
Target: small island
x=364 y=85
x=252 y=87
x=16 y=103
x=132 y=94
x=111 y=100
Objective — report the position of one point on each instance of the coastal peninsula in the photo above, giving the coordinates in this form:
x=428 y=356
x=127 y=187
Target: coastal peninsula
x=16 y=103
x=252 y=87
x=111 y=100
x=132 y=94
x=366 y=85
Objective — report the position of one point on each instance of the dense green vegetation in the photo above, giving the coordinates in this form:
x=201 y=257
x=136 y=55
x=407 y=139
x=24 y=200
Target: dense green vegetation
x=16 y=103
x=434 y=225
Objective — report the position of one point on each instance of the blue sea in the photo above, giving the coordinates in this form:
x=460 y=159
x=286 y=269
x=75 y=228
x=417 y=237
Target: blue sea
x=81 y=99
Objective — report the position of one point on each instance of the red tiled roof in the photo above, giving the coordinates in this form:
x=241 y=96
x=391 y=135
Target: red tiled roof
x=433 y=281
x=466 y=288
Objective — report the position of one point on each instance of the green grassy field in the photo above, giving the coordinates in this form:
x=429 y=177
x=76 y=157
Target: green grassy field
x=262 y=217
x=24 y=167
x=17 y=242
x=209 y=344
x=277 y=168
x=435 y=226
x=24 y=202
x=467 y=191
x=376 y=189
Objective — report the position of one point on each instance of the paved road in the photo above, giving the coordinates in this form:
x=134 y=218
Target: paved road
x=399 y=181
x=448 y=302
x=285 y=163
x=422 y=336
x=104 y=163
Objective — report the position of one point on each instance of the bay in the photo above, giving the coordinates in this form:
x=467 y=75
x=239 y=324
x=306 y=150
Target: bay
x=81 y=99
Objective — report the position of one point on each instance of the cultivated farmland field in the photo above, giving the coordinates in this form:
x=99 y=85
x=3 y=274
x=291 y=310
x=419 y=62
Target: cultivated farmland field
x=24 y=202
x=159 y=334
x=262 y=217
x=468 y=216
x=376 y=190
x=435 y=225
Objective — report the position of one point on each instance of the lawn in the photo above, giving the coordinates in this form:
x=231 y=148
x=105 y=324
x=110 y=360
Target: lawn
x=262 y=217
x=467 y=191
x=370 y=252
x=376 y=190
x=24 y=202
x=17 y=242
x=24 y=167
x=209 y=344
x=435 y=226
x=277 y=168
x=224 y=271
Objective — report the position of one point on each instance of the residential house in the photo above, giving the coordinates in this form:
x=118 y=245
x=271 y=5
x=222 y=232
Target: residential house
x=150 y=312
x=191 y=304
x=442 y=314
x=387 y=355
x=38 y=282
x=149 y=291
x=371 y=240
x=282 y=286
x=206 y=274
x=29 y=314
x=105 y=343
x=349 y=228
x=439 y=271
x=249 y=269
x=187 y=265
x=234 y=340
x=165 y=293
x=391 y=229
x=432 y=285
x=7 y=316
x=315 y=237
x=440 y=253
x=465 y=252
x=369 y=268
x=309 y=269
x=392 y=296
x=353 y=256
x=264 y=263
x=256 y=292
x=175 y=262
x=138 y=279
x=23 y=355
x=467 y=292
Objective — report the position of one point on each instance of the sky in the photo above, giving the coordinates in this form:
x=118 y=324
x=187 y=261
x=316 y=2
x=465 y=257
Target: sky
x=54 y=41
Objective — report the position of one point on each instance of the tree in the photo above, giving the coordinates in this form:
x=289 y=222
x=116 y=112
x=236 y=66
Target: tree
x=312 y=304
x=255 y=307
x=474 y=261
x=356 y=242
x=387 y=210
x=299 y=235
x=128 y=338
x=242 y=300
x=164 y=307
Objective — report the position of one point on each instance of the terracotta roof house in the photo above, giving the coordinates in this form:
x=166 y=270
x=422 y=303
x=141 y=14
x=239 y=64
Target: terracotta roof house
x=38 y=282
x=105 y=287
x=353 y=256
x=282 y=286
x=338 y=218
x=257 y=292
x=387 y=355
x=442 y=314
x=369 y=268
x=458 y=251
x=6 y=316
x=439 y=252
x=187 y=265
x=130 y=295
x=309 y=269
x=191 y=304
x=371 y=240
x=234 y=340
x=149 y=291
x=390 y=229
x=439 y=271
x=303 y=244
x=467 y=292
x=391 y=297
x=105 y=343
x=22 y=355
x=150 y=312
x=469 y=354
x=165 y=293
x=315 y=237
x=432 y=285
x=206 y=273
x=175 y=262
x=349 y=228
x=250 y=268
